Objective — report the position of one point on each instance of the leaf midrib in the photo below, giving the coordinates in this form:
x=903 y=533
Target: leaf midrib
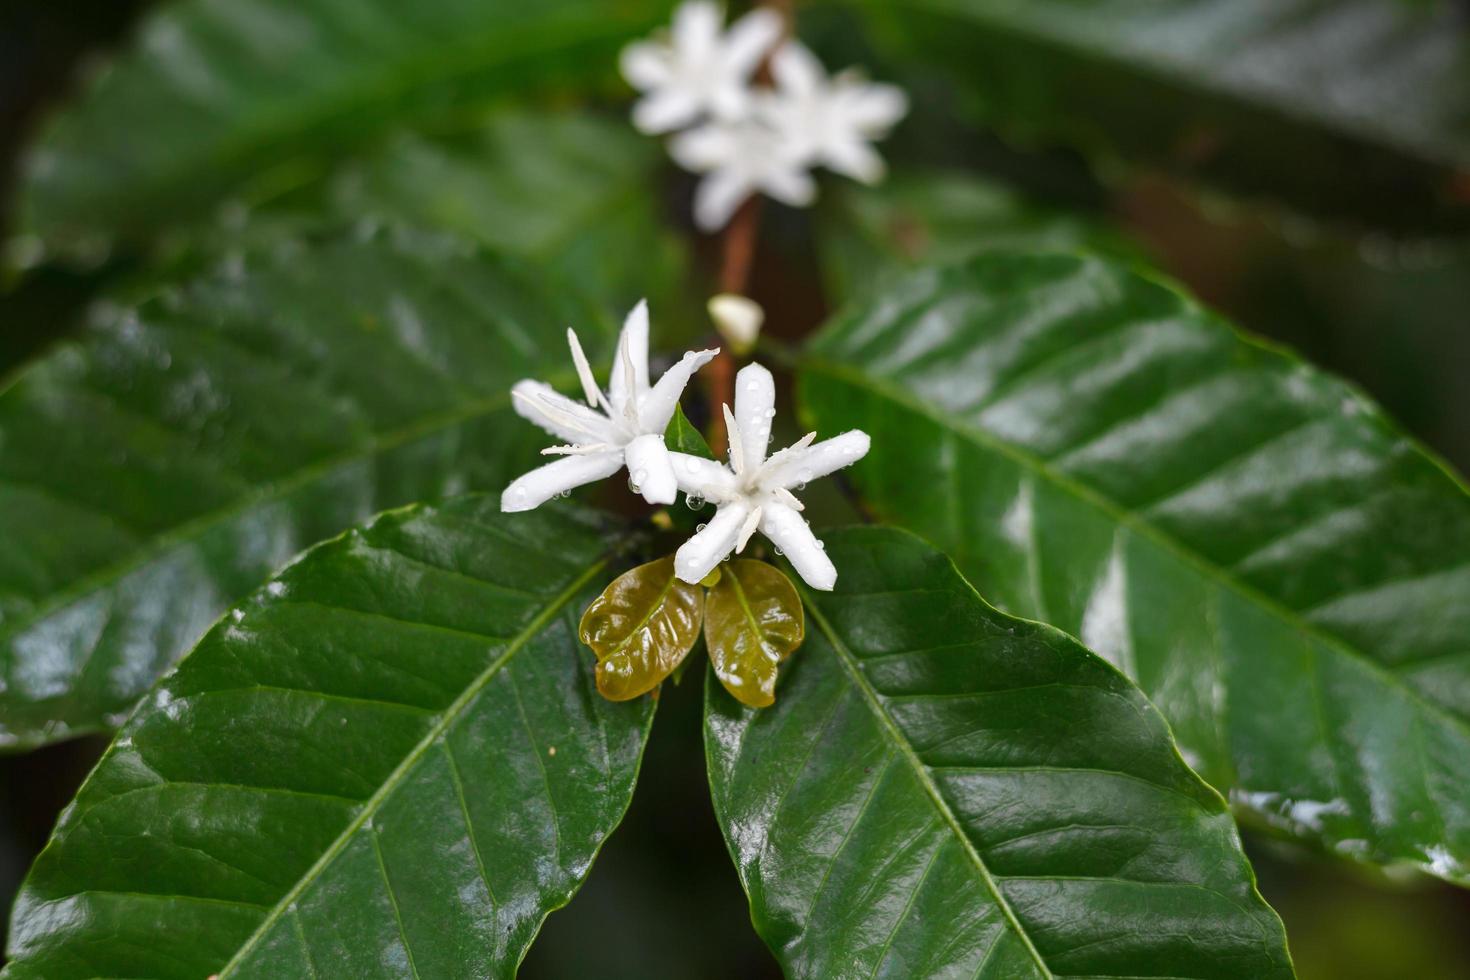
x=921 y=773
x=1134 y=522
x=402 y=771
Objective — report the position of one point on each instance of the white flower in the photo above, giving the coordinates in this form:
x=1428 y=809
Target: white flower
x=699 y=69
x=741 y=158
x=738 y=319
x=627 y=431
x=754 y=492
x=829 y=121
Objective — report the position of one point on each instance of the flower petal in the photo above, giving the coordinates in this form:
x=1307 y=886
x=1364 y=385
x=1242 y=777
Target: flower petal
x=698 y=556
x=791 y=185
x=665 y=110
x=650 y=471
x=789 y=531
x=873 y=108
x=750 y=39
x=796 y=70
x=718 y=197
x=703 y=148
x=632 y=352
x=825 y=457
x=755 y=407
x=696 y=29
x=545 y=482
x=658 y=405
x=700 y=477
x=646 y=65
x=854 y=158
x=540 y=404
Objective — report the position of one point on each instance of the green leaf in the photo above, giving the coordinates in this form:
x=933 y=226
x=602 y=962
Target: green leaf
x=568 y=191
x=1281 y=570
x=1351 y=107
x=942 y=790
x=232 y=101
x=641 y=628
x=753 y=621
x=389 y=760
x=937 y=217
x=164 y=466
x=683 y=437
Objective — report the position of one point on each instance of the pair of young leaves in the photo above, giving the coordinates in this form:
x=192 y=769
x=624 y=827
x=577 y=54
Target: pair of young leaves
x=647 y=620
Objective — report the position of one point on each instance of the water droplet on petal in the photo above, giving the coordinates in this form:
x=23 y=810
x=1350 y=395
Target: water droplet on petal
x=779 y=552
x=770 y=413
x=701 y=527
x=693 y=501
x=821 y=545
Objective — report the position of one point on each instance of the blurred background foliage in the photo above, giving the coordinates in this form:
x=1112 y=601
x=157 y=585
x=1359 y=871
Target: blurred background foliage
x=1369 y=278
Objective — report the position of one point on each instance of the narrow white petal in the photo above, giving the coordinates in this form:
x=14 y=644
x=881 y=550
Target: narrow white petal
x=752 y=522
x=664 y=111
x=789 y=531
x=650 y=470
x=718 y=197
x=750 y=39
x=790 y=185
x=630 y=368
x=590 y=390
x=700 y=477
x=658 y=406
x=696 y=28
x=645 y=65
x=733 y=437
x=698 y=556
x=584 y=450
x=755 y=408
x=875 y=109
x=703 y=148
x=557 y=414
x=796 y=70
x=854 y=158
x=797 y=447
x=825 y=457
x=545 y=482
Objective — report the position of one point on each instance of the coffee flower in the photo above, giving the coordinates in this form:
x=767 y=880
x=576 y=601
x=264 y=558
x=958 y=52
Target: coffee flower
x=740 y=159
x=755 y=493
x=830 y=122
x=699 y=69
x=622 y=428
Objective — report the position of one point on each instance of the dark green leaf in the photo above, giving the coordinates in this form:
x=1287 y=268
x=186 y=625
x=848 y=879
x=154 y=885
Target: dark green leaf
x=1283 y=572
x=682 y=437
x=164 y=466
x=390 y=760
x=922 y=218
x=236 y=100
x=941 y=790
x=1356 y=107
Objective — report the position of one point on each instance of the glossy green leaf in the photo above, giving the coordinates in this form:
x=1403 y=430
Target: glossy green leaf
x=753 y=621
x=1281 y=570
x=163 y=466
x=1352 y=107
x=942 y=790
x=682 y=437
x=641 y=628
x=391 y=760
x=871 y=234
x=235 y=100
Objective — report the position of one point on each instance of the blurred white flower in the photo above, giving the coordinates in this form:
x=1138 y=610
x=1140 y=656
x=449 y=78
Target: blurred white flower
x=699 y=68
x=740 y=159
x=754 y=493
x=829 y=122
x=624 y=427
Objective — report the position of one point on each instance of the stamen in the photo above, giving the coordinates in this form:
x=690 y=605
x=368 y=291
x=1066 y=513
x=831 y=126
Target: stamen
x=737 y=448
x=747 y=529
x=584 y=370
x=789 y=499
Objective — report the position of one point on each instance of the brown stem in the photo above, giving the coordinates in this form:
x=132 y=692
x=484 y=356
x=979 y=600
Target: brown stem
x=738 y=252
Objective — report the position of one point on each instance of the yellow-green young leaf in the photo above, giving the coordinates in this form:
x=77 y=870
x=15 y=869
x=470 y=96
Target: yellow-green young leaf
x=641 y=628
x=752 y=622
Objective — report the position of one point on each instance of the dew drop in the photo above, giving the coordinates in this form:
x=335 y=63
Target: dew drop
x=779 y=553
x=700 y=527
x=693 y=501
x=821 y=546
x=770 y=413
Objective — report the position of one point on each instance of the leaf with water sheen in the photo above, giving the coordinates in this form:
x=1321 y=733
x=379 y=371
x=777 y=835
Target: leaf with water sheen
x=943 y=790
x=391 y=760
x=1285 y=574
x=641 y=628
x=1340 y=107
x=163 y=465
x=239 y=101
x=753 y=621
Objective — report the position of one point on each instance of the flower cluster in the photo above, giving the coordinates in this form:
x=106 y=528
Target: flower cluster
x=623 y=428
x=747 y=139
